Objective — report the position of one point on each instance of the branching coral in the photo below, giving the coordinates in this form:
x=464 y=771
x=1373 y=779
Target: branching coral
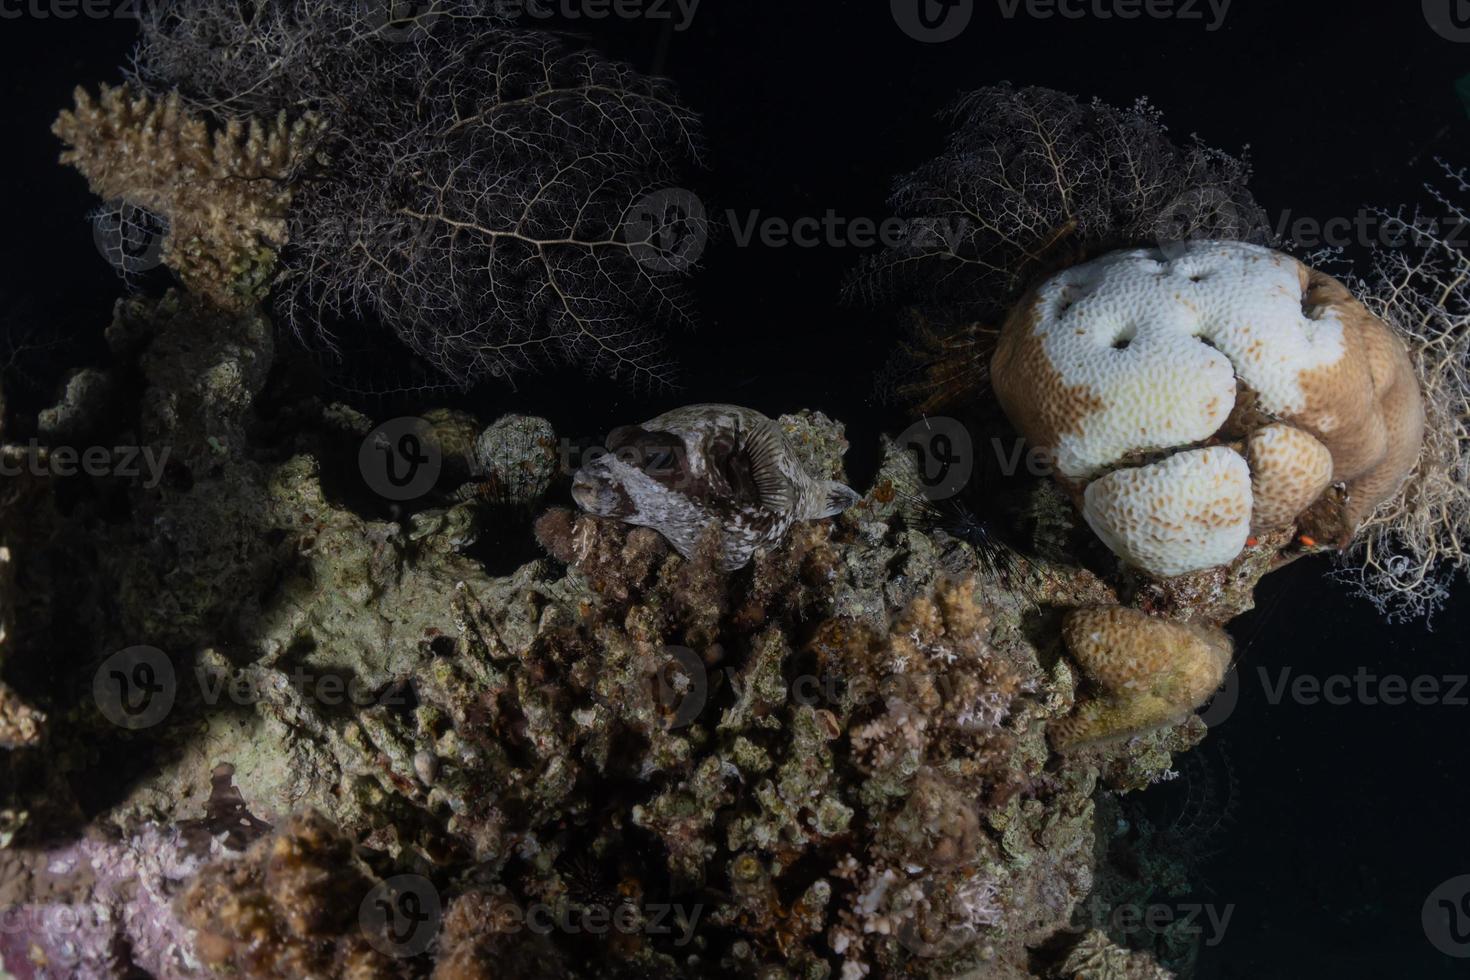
x=224 y=191
x=498 y=220
x=1412 y=544
x=932 y=746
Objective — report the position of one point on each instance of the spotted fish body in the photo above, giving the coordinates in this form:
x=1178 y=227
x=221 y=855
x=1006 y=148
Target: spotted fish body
x=703 y=466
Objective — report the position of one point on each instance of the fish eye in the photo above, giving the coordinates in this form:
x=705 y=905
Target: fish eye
x=659 y=460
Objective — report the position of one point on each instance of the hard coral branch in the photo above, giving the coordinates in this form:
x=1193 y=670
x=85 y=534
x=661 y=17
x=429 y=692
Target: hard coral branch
x=224 y=190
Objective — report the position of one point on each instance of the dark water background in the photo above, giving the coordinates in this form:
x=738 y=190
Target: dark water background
x=1344 y=818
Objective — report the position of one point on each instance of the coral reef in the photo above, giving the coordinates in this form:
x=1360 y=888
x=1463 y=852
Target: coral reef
x=341 y=733
x=288 y=907
x=1139 y=352
x=1097 y=958
x=513 y=213
x=831 y=762
x=1035 y=185
x=224 y=192
x=1150 y=672
x=102 y=906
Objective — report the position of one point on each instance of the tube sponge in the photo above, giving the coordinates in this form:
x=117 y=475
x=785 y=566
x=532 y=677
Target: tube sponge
x=1224 y=345
x=1149 y=672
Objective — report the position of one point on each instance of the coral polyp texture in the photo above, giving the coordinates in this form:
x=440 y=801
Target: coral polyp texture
x=1251 y=369
x=1148 y=672
x=1182 y=514
x=223 y=190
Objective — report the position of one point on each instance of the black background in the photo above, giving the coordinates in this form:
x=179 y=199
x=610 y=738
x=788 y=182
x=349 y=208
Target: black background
x=1346 y=817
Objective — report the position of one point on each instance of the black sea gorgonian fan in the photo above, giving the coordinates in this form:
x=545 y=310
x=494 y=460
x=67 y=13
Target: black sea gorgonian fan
x=477 y=185
x=1031 y=180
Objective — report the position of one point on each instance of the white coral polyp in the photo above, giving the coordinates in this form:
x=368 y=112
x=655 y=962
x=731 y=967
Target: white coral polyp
x=1289 y=471
x=1186 y=513
x=1152 y=345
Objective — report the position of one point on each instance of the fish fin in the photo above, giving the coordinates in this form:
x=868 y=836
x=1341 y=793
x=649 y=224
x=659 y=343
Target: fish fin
x=839 y=497
x=729 y=464
x=764 y=449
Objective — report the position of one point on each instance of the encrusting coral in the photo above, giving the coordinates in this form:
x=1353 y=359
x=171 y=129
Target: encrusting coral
x=1150 y=672
x=105 y=905
x=224 y=190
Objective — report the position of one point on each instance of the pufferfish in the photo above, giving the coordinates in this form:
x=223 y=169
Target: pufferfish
x=705 y=465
